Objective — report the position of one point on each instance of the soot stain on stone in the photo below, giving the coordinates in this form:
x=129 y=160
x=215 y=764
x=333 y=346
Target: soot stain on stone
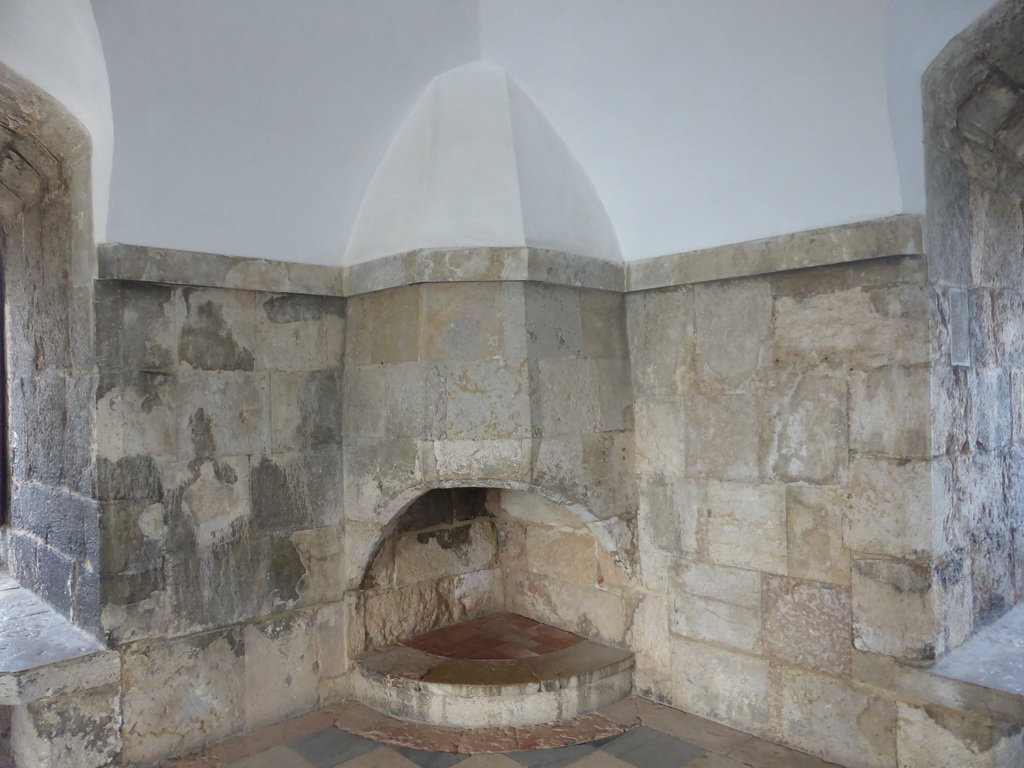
x=294 y=309
x=201 y=427
x=208 y=344
x=286 y=570
x=449 y=538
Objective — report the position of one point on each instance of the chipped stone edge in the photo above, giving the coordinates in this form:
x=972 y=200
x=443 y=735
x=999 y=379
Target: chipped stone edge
x=899 y=235
x=878 y=238
x=72 y=675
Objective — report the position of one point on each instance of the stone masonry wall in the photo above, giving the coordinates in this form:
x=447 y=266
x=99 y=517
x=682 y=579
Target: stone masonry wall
x=974 y=104
x=219 y=457
x=785 y=483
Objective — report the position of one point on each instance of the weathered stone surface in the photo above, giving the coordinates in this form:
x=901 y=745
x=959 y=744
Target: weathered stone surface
x=726 y=624
x=725 y=686
x=936 y=736
x=149 y=334
x=553 y=324
x=383 y=327
x=810 y=435
x=218 y=331
x=280 y=657
x=887 y=510
x=222 y=413
x=733 y=329
x=182 y=694
x=997 y=239
x=564 y=398
x=737 y=586
x=889 y=412
x=843 y=723
x=722 y=437
x=503 y=460
x=305 y=410
x=435 y=554
x=661 y=428
x=815 y=546
x=534 y=508
x=560 y=554
x=486 y=399
x=670 y=510
x=299 y=333
x=462 y=321
x=661 y=341
x=375 y=471
x=603 y=320
x=866 y=327
x=747 y=526
x=650 y=641
x=82 y=730
x=594 y=613
x=808 y=624
x=892 y=609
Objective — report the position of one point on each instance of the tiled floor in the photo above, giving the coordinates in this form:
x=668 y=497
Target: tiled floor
x=495 y=636
x=653 y=737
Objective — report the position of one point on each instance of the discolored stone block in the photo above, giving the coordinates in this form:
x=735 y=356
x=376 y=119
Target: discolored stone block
x=149 y=333
x=933 y=735
x=733 y=330
x=892 y=609
x=437 y=554
x=661 y=341
x=462 y=321
x=82 y=730
x=888 y=509
x=807 y=624
x=218 y=331
x=670 y=510
x=553 y=324
x=486 y=399
x=560 y=554
x=603 y=320
x=842 y=723
x=222 y=413
x=305 y=410
x=722 y=437
x=299 y=333
x=280 y=657
x=182 y=694
x=997 y=239
x=747 y=526
x=810 y=431
x=815 y=545
x=383 y=327
x=563 y=397
x=661 y=426
x=725 y=624
x=889 y=412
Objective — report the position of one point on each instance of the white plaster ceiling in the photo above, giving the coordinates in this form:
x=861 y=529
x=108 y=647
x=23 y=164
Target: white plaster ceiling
x=255 y=127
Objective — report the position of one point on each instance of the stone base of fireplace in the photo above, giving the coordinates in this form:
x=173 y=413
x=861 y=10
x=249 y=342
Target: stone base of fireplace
x=499 y=670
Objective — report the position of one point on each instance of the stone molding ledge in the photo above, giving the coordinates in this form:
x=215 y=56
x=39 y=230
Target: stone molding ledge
x=875 y=239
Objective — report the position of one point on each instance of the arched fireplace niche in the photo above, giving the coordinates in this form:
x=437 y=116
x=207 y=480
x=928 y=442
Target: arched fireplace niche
x=477 y=557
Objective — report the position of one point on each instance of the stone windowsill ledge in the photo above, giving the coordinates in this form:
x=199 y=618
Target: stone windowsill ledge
x=42 y=654
x=878 y=238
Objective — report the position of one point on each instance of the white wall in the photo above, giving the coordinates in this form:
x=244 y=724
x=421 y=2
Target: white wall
x=55 y=44
x=916 y=30
x=253 y=127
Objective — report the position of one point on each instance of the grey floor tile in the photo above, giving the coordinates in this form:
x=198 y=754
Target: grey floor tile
x=647 y=748
x=430 y=759
x=552 y=758
x=327 y=748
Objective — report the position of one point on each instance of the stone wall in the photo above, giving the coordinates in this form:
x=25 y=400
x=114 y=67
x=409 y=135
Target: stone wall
x=49 y=540
x=974 y=94
x=785 y=486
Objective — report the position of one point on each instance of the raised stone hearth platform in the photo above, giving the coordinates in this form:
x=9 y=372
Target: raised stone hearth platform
x=500 y=670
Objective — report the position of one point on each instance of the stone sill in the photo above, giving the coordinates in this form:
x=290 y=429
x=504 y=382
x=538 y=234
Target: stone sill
x=875 y=239
x=42 y=654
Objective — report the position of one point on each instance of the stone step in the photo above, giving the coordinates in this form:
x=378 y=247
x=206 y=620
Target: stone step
x=554 y=687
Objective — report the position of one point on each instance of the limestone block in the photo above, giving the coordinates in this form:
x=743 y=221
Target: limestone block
x=660 y=436
x=738 y=586
x=941 y=738
x=615 y=393
x=462 y=321
x=1008 y=308
x=564 y=398
x=297 y=490
x=808 y=624
x=733 y=329
x=726 y=624
x=383 y=327
x=661 y=341
x=747 y=526
x=951 y=409
x=332 y=652
x=534 y=508
x=594 y=613
x=560 y=554
x=670 y=511
x=609 y=473
x=280 y=669
x=299 y=333
x=603 y=319
x=376 y=470
x=722 y=437
x=992 y=419
x=321 y=552
x=222 y=413
x=862 y=327
x=182 y=694
x=364 y=413
x=952 y=597
x=412 y=400
x=815 y=535
x=305 y=410
x=553 y=324
x=997 y=238
x=887 y=510
x=558 y=466
x=650 y=641
x=218 y=331
x=892 y=609
x=435 y=554
x=726 y=686
x=984 y=333
x=842 y=723
x=948 y=234
x=505 y=460
x=889 y=412
x=150 y=318
x=810 y=440
x=486 y=399
x=82 y=730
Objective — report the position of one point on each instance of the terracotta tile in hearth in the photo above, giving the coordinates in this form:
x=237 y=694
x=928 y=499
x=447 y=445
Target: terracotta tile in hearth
x=496 y=636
